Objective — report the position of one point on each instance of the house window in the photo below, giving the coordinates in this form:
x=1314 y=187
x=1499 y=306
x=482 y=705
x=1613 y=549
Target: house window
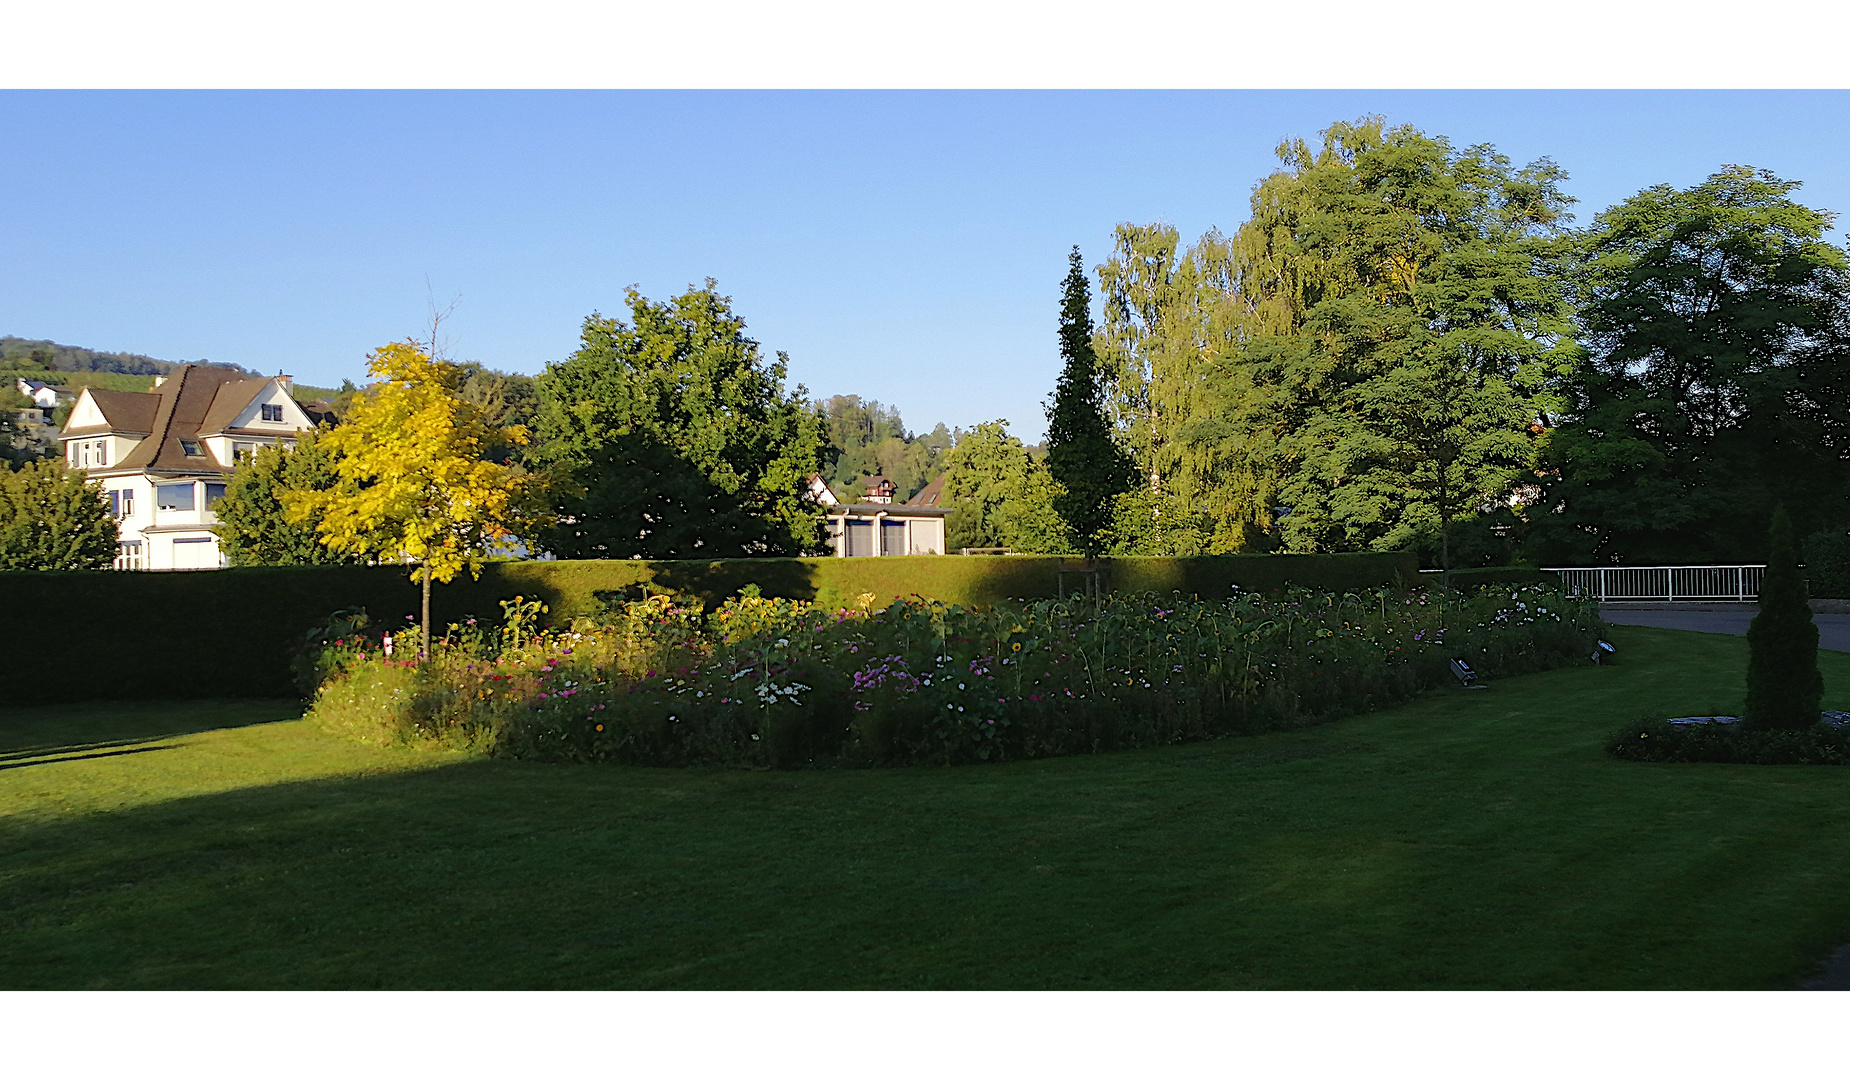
x=125 y=501
x=272 y=413
x=243 y=451
x=174 y=496
x=190 y=448
x=128 y=555
x=214 y=492
x=102 y=452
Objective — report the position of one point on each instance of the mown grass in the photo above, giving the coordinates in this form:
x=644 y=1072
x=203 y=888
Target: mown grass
x=1464 y=840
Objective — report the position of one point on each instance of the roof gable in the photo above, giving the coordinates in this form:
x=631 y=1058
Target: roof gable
x=238 y=406
x=183 y=402
x=123 y=411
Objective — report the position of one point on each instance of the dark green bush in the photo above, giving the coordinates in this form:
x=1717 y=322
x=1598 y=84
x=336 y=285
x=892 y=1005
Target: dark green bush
x=1827 y=563
x=1784 y=685
x=1660 y=740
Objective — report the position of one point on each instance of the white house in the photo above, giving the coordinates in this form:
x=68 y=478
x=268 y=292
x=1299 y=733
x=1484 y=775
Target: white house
x=44 y=398
x=164 y=456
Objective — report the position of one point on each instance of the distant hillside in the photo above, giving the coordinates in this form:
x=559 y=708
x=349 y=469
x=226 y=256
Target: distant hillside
x=26 y=355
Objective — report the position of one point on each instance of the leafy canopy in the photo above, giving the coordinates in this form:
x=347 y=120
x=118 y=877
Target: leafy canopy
x=1000 y=495
x=1715 y=321
x=412 y=481
x=1371 y=354
x=674 y=438
x=1412 y=331
x=53 y=518
x=254 y=527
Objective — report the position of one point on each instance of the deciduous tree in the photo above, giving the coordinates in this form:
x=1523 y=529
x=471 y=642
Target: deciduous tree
x=1001 y=496
x=413 y=482
x=1715 y=319
x=1407 y=332
x=674 y=438
x=53 y=518
x=255 y=529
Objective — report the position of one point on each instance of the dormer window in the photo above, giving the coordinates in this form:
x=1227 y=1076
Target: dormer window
x=190 y=448
x=272 y=413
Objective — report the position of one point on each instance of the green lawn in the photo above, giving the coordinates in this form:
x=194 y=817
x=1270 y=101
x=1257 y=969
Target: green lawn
x=1466 y=840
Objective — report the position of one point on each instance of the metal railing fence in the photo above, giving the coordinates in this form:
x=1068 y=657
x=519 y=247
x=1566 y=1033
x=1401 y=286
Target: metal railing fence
x=1667 y=583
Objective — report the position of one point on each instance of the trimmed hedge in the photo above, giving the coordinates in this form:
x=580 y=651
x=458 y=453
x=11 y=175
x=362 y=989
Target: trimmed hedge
x=1497 y=575
x=1734 y=744
x=87 y=635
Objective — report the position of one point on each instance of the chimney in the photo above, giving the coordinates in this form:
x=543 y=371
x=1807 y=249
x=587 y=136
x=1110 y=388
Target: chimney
x=159 y=379
x=288 y=381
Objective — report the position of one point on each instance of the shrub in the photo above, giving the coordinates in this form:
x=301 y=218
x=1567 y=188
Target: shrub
x=1827 y=563
x=1784 y=686
x=1730 y=743
x=779 y=683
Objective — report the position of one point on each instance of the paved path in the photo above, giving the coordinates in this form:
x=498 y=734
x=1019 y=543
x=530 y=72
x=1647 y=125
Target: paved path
x=1833 y=630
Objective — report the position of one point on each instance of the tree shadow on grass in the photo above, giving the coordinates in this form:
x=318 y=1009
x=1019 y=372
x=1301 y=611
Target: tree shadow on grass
x=99 y=728
x=498 y=874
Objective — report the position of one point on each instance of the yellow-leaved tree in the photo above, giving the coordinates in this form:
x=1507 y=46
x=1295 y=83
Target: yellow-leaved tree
x=414 y=482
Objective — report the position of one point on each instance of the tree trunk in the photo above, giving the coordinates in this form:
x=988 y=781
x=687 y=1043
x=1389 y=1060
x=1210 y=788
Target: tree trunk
x=1445 y=551
x=1445 y=525
x=424 y=654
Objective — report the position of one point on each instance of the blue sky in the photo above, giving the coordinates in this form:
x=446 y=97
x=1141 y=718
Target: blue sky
x=905 y=246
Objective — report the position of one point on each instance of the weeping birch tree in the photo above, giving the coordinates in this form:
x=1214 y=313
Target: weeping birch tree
x=1373 y=354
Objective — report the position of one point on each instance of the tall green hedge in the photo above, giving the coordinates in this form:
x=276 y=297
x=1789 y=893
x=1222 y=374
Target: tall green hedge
x=78 y=636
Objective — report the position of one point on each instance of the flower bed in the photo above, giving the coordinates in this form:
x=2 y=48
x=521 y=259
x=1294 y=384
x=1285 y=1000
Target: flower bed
x=785 y=684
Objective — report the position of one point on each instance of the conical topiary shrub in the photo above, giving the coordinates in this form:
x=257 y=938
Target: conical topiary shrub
x=1784 y=686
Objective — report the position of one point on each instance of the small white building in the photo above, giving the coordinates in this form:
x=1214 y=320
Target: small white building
x=45 y=399
x=164 y=456
x=875 y=528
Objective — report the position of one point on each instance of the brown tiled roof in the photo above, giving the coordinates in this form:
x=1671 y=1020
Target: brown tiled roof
x=126 y=410
x=230 y=400
x=183 y=402
x=931 y=494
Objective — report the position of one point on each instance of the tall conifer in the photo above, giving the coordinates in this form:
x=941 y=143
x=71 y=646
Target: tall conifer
x=1784 y=686
x=1091 y=467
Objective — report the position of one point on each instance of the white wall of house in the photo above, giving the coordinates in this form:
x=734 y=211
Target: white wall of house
x=884 y=530
x=153 y=512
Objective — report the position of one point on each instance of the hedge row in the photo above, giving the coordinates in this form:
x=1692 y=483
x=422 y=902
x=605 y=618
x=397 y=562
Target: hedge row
x=79 y=636
x=1496 y=575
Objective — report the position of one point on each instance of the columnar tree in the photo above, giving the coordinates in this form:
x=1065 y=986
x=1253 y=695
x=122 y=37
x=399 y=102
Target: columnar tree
x=53 y=518
x=1083 y=457
x=674 y=438
x=413 y=482
x=1785 y=689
